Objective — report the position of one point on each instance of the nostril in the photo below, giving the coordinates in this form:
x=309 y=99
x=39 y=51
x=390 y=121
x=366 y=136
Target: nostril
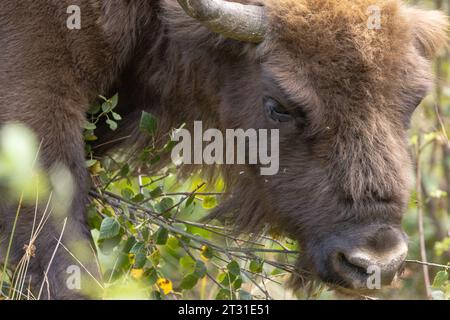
x=350 y=264
x=349 y=272
x=357 y=261
x=360 y=264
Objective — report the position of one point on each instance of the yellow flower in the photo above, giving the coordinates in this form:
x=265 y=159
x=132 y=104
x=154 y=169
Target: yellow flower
x=131 y=258
x=165 y=285
x=96 y=169
x=205 y=253
x=137 y=273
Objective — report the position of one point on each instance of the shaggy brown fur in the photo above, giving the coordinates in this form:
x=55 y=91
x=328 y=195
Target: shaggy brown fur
x=347 y=165
x=344 y=162
x=48 y=78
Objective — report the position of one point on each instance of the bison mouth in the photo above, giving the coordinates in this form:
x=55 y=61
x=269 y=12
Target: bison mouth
x=353 y=287
x=356 y=267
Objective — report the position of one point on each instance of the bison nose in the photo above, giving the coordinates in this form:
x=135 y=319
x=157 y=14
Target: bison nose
x=382 y=255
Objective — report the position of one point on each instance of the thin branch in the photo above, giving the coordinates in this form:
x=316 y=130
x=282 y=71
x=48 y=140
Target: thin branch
x=420 y=221
x=52 y=257
x=429 y=264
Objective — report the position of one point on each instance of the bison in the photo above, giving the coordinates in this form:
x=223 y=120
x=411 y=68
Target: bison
x=340 y=89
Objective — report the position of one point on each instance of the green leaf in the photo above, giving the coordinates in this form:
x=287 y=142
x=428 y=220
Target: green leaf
x=127 y=193
x=90 y=137
x=90 y=126
x=110 y=104
x=109 y=229
x=156 y=295
x=112 y=124
x=156 y=192
x=440 y=280
x=145 y=233
x=94 y=109
x=173 y=243
x=189 y=282
x=190 y=200
x=256 y=266
x=442 y=247
x=94 y=218
x=116 y=116
x=180 y=226
x=164 y=205
x=124 y=171
x=234 y=268
x=114 y=101
x=139 y=260
x=200 y=269
x=155 y=258
x=137 y=248
x=237 y=284
x=107 y=246
x=209 y=202
x=91 y=163
x=138 y=198
x=162 y=236
x=151 y=276
x=222 y=277
x=187 y=264
x=148 y=123
x=223 y=294
x=226 y=278
x=106 y=107
x=128 y=245
x=207 y=252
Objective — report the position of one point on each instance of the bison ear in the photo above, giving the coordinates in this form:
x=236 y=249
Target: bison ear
x=430 y=29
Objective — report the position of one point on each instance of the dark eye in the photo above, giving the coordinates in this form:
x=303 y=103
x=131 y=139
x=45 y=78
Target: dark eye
x=276 y=111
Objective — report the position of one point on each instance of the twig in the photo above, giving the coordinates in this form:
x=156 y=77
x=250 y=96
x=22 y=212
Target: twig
x=10 y=244
x=52 y=257
x=429 y=264
x=423 y=253
x=195 y=194
x=110 y=142
x=166 y=223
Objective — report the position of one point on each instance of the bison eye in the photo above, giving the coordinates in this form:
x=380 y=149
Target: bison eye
x=276 y=111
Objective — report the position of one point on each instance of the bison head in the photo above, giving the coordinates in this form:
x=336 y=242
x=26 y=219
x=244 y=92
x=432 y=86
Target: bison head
x=341 y=90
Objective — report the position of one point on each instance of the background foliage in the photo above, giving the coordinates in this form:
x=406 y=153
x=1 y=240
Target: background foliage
x=152 y=246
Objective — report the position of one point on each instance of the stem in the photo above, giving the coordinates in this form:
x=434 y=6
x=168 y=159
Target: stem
x=423 y=253
x=13 y=231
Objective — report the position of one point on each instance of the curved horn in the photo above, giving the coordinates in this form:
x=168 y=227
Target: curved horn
x=230 y=19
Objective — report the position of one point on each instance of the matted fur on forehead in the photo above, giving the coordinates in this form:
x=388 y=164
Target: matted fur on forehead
x=335 y=45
